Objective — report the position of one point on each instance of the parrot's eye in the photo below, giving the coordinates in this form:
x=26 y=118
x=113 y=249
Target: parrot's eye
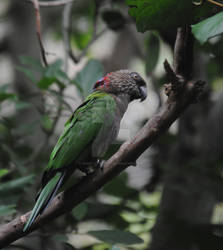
x=135 y=76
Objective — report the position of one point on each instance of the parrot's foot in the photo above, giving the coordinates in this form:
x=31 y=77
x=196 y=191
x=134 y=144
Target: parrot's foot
x=100 y=164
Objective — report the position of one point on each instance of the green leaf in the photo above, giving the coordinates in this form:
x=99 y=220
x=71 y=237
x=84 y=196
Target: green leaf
x=18 y=183
x=118 y=186
x=52 y=69
x=53 y=74
x=22 y=105
x=116 y=237
x=46 y=123
x=4 y=96
x=155 y=14
x=27 y=72
x=80 y=211
x=81 y=39
x=6 y=210
x=60 y=237
x=152 y=52
x=208 y=28
x=85 y=79
x=45 y=82
x=3 y=172
x=32 y=62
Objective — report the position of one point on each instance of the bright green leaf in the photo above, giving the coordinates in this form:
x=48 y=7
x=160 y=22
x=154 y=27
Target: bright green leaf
x=208 y=28
x=3 y=172
x=6 y=210
x=85 y=79
x=80 y=211
x=116 y=237
x=81 y=39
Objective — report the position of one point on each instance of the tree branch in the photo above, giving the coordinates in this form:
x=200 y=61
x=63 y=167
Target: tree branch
x=38 y=31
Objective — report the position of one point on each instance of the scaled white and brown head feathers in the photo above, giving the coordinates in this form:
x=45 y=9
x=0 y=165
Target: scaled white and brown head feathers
x=123 y=82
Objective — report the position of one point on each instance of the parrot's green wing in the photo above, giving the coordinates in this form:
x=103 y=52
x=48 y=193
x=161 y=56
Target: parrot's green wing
x=81 y=129
x=79 y=132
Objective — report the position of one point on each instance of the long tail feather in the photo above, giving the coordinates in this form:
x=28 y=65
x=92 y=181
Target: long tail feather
x=45 y=197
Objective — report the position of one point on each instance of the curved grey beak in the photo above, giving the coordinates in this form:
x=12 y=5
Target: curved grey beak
x=143 y=91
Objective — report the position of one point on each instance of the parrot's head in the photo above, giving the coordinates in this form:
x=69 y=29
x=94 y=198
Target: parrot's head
x=123 y=82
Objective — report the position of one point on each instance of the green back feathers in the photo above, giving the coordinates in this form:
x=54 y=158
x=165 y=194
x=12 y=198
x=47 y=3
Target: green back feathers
x=81 y=129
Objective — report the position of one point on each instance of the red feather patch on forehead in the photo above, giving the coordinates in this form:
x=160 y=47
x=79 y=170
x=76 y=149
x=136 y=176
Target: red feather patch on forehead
x=102 y=82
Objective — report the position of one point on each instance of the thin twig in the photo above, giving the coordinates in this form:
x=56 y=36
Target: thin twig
x=38 y=31
x=53 y=3
x=94 y=37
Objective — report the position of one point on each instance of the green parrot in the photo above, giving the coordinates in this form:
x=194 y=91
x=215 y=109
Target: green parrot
x=89 y=132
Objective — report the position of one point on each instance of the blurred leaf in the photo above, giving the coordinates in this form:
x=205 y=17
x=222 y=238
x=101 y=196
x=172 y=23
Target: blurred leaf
x=155 y=14
x=81 y=39
x=53 y=74
x=114 y=19
x=80 y=211
x=85 y=79
x=4 y=96
x=3 y=172
x=208 y=28
x=131 y=217
x=60 y=237
x=150 y=200
x=27 y=72
x=22 y=105
x=45 y=82
x=118 y=186
x=115 y=248
x=52 y=70
x=116 y=237
x=152 y=52
x=17 y=183
x=4 y=87
x=46 y=123
x=32 y=62
x=6 y=210
x=98 y=209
